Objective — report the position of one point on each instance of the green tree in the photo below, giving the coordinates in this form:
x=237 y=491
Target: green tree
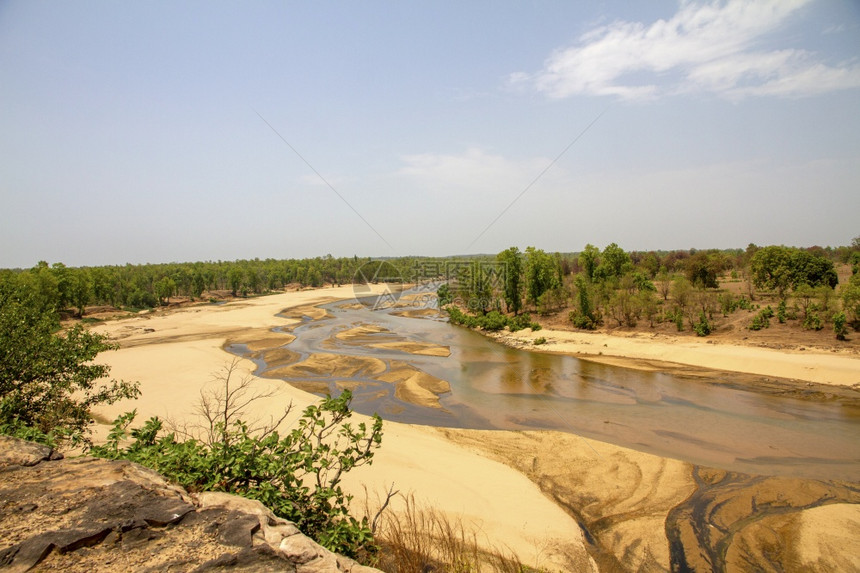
x=614 y=263
x=588 y=260
x=839 y=325
x=235 y=276
x=443 y=293
x=543 y=273
x=513 y=269
x=703 y=268
x=81 y=290
x=782 y=268
x=584 y=317
x=49 y=381
x=164 y=288
x=480 y=291
x=771 y=269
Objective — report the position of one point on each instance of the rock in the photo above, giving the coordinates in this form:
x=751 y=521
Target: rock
x=94 y=515
x=23 y=453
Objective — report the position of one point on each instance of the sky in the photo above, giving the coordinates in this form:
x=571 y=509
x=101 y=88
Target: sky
x=135 y=132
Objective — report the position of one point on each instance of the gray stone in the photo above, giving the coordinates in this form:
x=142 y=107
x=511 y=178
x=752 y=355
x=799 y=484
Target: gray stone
x=103 y=516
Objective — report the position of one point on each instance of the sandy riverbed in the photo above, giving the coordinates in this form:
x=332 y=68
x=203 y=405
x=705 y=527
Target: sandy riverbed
x=493 y=481
x=805 y=365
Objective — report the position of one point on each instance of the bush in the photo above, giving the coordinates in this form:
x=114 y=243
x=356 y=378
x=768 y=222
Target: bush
x=581 y=320
x=522 y=321
x=703 y=327
x=493 y=321
x=839 y=327
x=781 y=312
x=728 y=304
x=297 y=475
x=443 y=293
x=540 y=340
x=812 y=322
x=762 y=319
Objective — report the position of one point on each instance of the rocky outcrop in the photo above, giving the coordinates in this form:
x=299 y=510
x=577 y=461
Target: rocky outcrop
x=88 y=514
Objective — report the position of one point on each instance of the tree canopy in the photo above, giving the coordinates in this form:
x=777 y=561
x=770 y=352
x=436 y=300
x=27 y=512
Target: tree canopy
x=48 y=380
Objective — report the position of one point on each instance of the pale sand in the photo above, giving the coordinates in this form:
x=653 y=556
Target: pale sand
x=414 y=386
x=176 y=354
x=184 y=350
x=808 y=366
x=364 y=334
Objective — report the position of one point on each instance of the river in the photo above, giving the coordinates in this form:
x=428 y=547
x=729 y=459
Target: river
x=696 y=418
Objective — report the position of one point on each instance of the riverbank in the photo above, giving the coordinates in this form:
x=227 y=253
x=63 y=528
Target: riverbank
x=654 y=351
x=177 y=354
x=529 y=492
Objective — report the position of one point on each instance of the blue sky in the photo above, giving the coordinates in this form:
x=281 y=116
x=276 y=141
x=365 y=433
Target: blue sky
x=140 y=132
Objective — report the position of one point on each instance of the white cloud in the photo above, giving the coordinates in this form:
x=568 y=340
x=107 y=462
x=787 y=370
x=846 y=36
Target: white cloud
x=712 y=47
x=474 y=171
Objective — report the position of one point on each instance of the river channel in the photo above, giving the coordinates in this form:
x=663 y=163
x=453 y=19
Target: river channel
x=706 y=420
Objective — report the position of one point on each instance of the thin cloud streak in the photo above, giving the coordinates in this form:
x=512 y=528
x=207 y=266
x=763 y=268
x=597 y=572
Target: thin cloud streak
x=704 y=48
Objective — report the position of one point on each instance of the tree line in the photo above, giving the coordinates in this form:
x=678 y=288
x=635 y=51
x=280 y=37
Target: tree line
x=135 y=287
x=614 y=287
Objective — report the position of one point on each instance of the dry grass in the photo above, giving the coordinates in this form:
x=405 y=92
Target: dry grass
x=424 y=540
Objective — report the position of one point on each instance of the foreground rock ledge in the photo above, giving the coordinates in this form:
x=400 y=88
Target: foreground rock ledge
x=88 y=514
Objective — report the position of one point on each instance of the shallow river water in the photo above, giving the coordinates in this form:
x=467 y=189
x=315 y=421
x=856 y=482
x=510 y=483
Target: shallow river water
x=707 y=421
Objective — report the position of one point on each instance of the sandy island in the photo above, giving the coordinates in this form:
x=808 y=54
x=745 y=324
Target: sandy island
x=529 y=492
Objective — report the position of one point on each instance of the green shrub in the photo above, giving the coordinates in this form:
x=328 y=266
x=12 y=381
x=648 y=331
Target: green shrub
x=492 y=321
x=781 y=312
x=522 y=321
x=703 y=327
x=540 y=340
x=812 y=322
x=444 y=294
x=839 y=327
x=762 y=319
x=728 y=303
x=581 y=320
x=297 y=475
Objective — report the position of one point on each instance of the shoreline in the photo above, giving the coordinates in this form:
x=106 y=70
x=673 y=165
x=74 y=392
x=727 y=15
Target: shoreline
x=177 y=354
x=652 y=352
x=457 y=472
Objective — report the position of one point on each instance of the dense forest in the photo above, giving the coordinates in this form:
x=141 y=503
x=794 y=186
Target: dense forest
x=690 y=289
x=609 y=287
x=136 y=287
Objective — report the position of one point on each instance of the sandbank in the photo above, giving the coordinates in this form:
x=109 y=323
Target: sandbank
x=175 y=355
x=523 y=491
x=832 y=368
